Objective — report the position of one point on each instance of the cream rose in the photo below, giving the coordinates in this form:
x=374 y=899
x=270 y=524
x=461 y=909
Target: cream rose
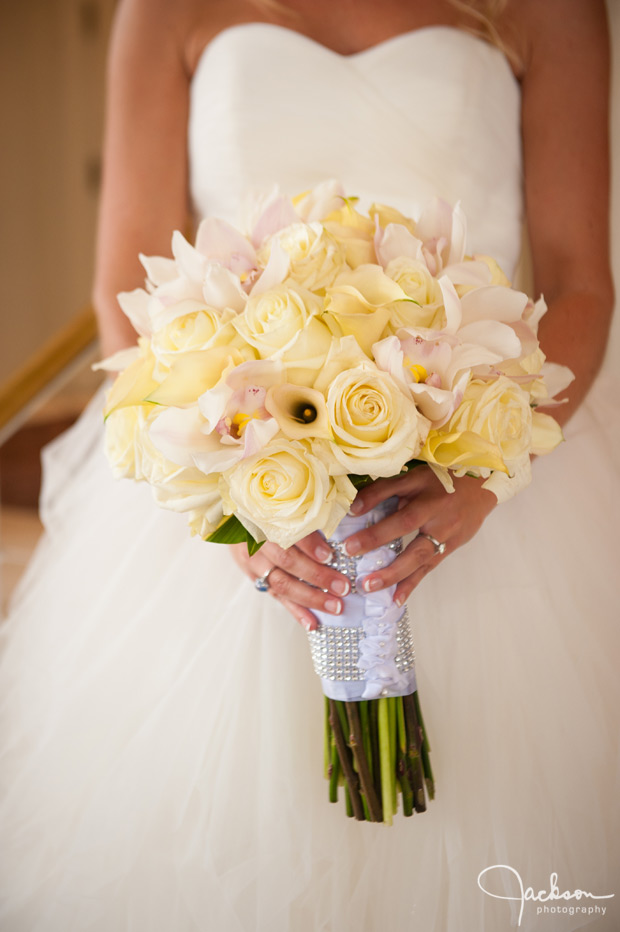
x=194 y=327
x=498 y=411
x=133 y=455
x=316 y=257
x=282 y=324
x=285 y=492
x=376 y=427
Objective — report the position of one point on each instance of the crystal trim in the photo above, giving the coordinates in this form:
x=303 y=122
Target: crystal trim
x=335 y=650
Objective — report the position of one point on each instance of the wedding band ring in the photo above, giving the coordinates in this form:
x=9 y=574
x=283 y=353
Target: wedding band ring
x=262 y=582
x=440 y=547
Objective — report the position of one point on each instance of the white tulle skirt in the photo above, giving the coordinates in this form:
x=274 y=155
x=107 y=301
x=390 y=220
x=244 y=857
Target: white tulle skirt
x=161 y=751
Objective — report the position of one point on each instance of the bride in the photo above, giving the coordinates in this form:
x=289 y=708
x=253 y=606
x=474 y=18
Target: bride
x=161 y=723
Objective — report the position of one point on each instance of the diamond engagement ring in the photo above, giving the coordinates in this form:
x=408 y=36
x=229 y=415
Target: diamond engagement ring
x=440 y=547
x=262 y=582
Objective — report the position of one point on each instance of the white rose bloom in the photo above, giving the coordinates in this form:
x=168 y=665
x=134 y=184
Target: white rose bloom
x=133 y=455
x=282 y=324
x=192 y=327
x=316 y=257
x=376 y=427
x=285 y=492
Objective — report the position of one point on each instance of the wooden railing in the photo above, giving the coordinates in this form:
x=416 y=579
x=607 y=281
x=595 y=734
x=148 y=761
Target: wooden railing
x=44 y=368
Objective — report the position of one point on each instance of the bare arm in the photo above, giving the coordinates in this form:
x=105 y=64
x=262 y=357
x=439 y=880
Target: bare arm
x=566 y=153
x=144 y=195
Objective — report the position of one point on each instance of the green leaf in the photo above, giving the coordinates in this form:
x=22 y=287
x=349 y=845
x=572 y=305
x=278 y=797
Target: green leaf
x=253 y=545
x=230 y=532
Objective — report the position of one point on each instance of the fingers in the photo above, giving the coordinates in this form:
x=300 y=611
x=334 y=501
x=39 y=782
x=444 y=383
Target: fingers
x=296 y=564
x=407 y=520
x=409 y=483
x=404 y=572
x=302 y=616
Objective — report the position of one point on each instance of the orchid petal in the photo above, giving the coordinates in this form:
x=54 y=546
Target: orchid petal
x=160 y=270
x=495 y=336
x=189 y=261
x=220 y=242
x=275 y=271
x=118 y=361
x=469 y=273
x=279 y=214
x=395 y=242
x=222 y=289
x=177 y=434
x=134 y=305
x=452 y=305
x=493 y=302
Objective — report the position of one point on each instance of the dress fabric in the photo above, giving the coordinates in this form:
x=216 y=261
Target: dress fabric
x=161 y=748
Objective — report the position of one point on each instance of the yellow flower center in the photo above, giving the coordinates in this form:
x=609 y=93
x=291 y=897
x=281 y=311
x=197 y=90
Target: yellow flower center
x=417 y=371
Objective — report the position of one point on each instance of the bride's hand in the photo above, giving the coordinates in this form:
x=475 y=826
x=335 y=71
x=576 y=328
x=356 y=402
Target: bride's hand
x=298 y=576
x=451 y=518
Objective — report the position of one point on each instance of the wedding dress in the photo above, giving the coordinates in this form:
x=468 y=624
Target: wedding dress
x=161 y=721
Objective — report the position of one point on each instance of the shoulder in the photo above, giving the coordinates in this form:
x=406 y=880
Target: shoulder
x=556 y=34
x=157 y=32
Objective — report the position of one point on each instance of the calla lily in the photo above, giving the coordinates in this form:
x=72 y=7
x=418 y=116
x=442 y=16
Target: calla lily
x=300 y=412
x=192 y=374
x=462 y=449
x=133 y=385
x=360 y=304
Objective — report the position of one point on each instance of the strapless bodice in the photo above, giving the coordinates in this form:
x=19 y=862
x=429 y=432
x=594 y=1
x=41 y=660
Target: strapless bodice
x=430 y=112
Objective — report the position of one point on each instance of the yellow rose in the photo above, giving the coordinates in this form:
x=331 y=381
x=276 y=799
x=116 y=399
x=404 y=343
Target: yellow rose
x=376 y=427
x=285 y=492
x=282 y=324
x=316 y=257
x=385 y=214
x=498 y=411
x=124 y=428
x=360 y=304
x=133 y=455
x=194 y=327
x=354 y=232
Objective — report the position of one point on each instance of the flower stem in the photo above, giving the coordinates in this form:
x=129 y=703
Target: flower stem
x=426 y=760
x=356 y=742
x=414 y=740
x=385 y=758
x=345 y=760
x=403 y=768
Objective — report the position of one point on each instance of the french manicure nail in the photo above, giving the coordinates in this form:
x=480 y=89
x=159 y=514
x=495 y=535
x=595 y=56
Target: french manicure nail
x=352 y=547
x=371 y=584
x=333 y=606
x=340 y=586
x=400 y=600
x=307 y=624
x=323 y=553
x=356 y=507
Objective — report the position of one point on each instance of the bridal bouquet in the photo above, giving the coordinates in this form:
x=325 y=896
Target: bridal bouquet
x=280 y=369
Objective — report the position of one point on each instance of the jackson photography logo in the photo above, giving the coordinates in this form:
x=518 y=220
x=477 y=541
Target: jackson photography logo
x=549 y=902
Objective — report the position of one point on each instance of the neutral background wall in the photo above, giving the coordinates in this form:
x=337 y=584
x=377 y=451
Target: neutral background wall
x=52 y=55
x=52 y=59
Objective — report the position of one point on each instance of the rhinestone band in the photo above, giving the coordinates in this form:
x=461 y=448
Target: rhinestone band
x=335 y=650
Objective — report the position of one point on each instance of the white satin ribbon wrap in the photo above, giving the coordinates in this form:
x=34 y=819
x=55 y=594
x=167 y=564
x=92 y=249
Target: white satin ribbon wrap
x=377 y=615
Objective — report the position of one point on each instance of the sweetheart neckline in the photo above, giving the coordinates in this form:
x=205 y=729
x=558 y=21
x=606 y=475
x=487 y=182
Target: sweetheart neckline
x=354 y=57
